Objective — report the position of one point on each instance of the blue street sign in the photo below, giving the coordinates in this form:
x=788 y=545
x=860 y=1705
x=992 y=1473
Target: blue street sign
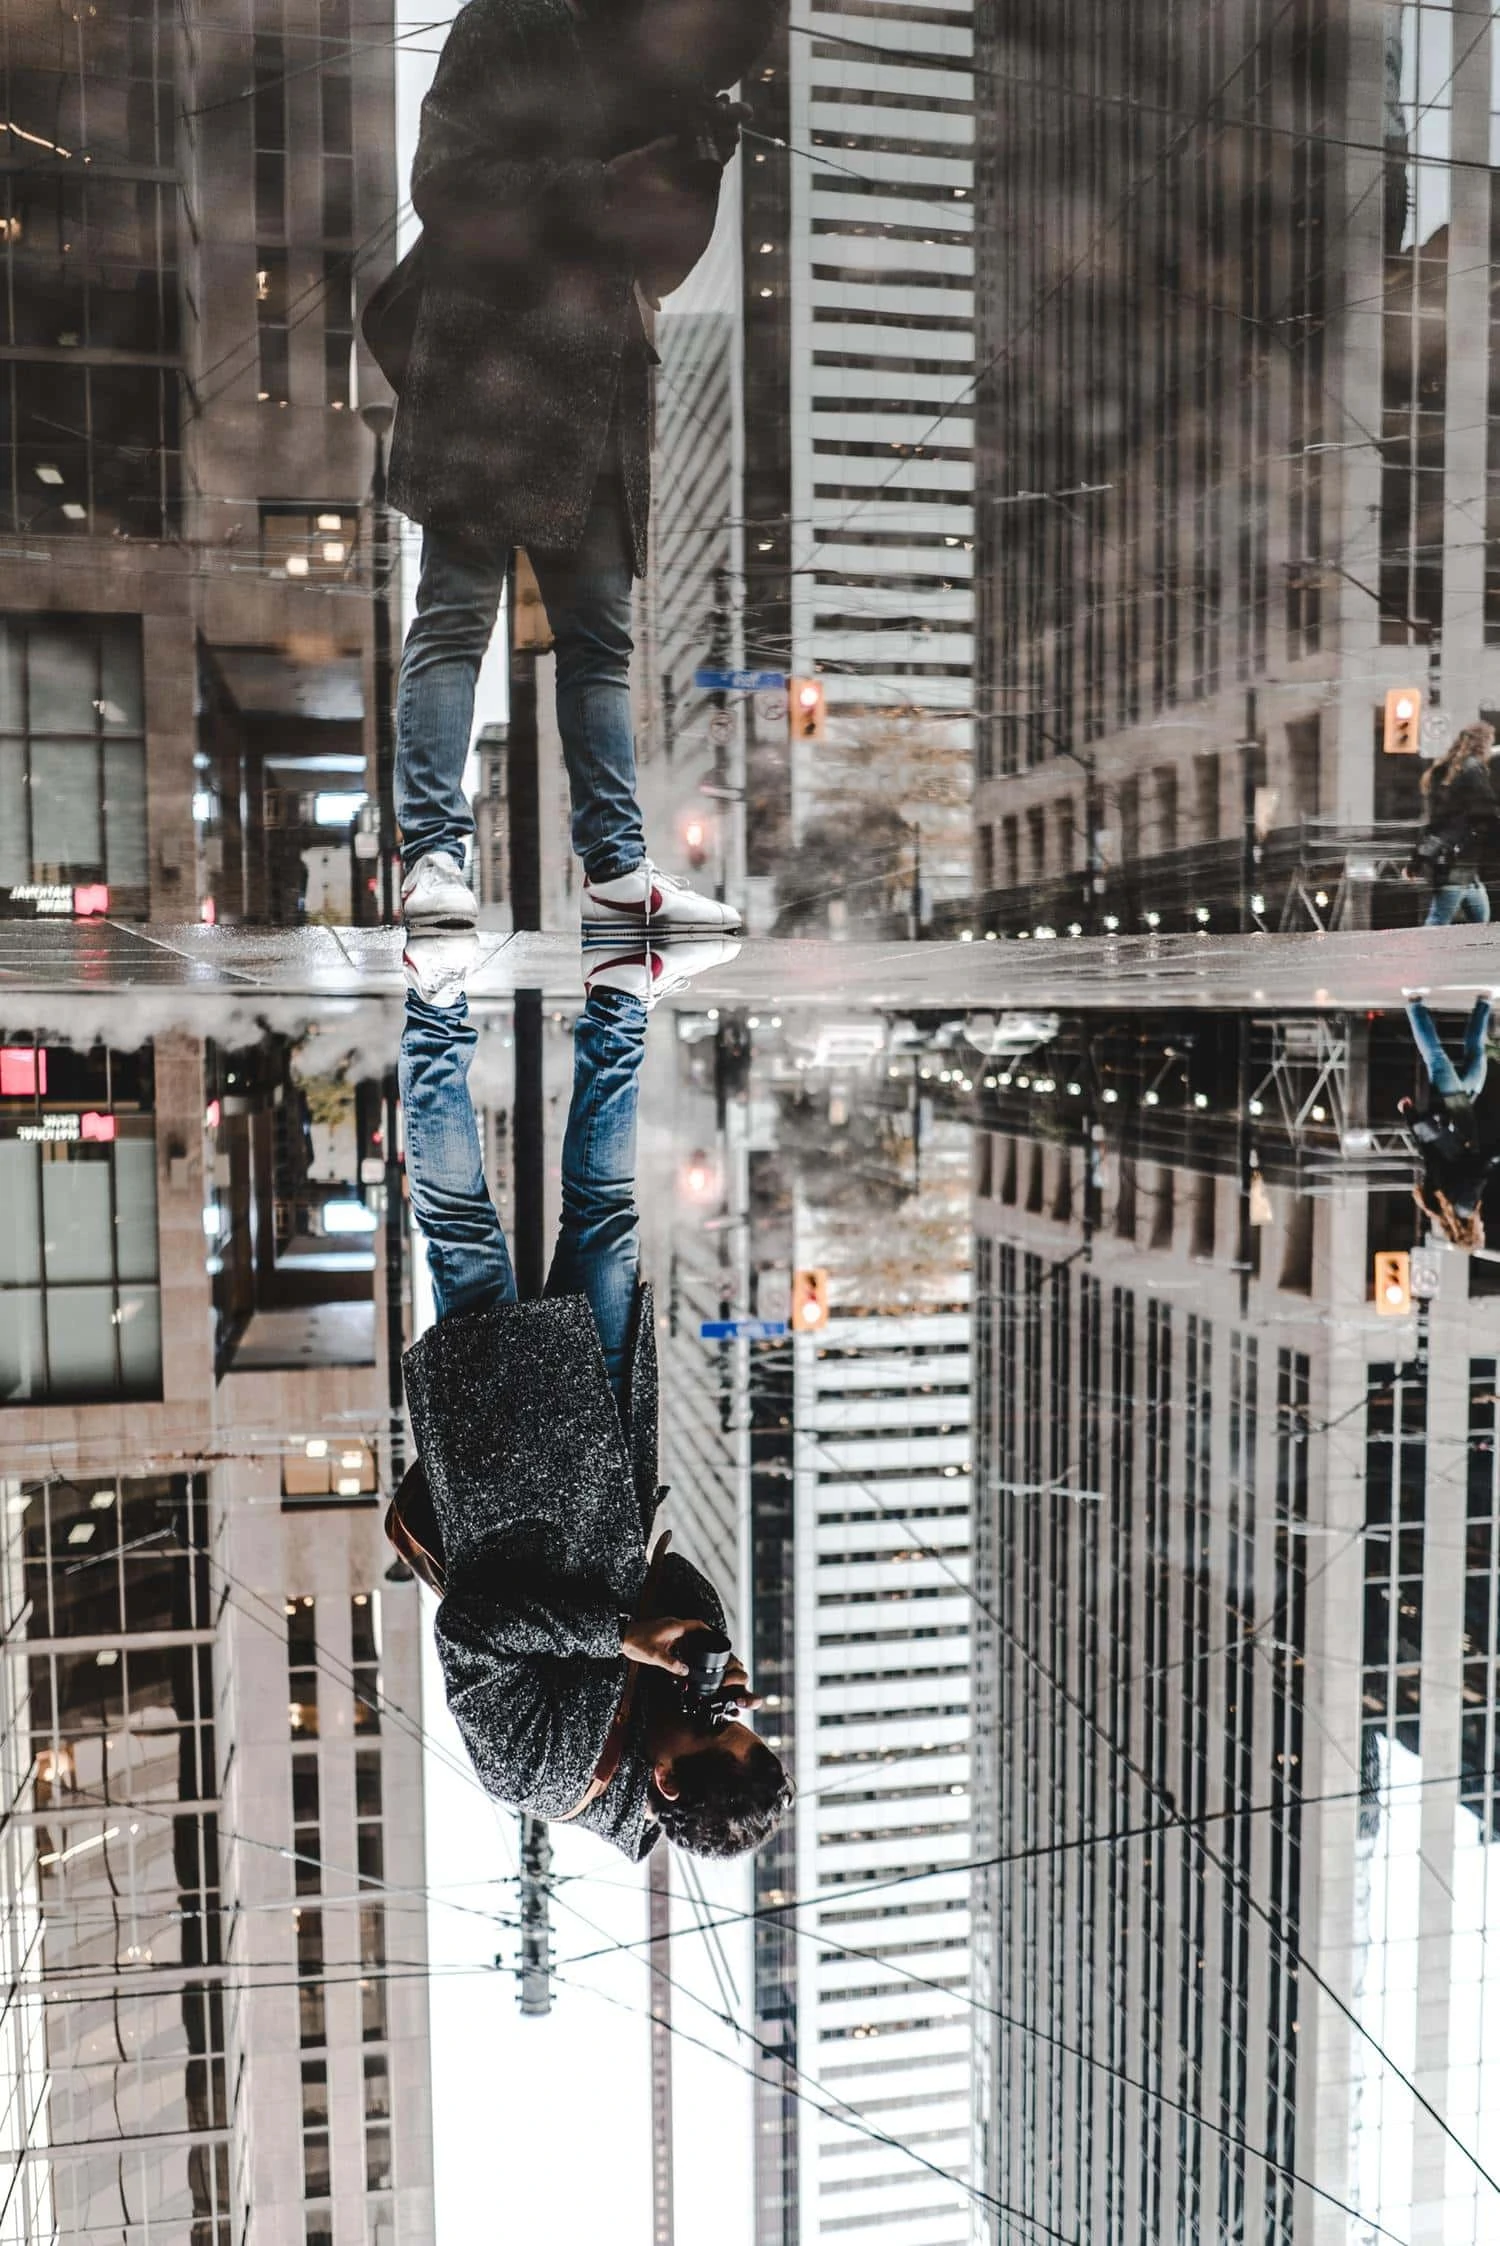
x=738 y=682
x=743 y=1329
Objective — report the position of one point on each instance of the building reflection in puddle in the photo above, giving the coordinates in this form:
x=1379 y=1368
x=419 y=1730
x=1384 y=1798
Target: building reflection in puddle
x=1096 y=1442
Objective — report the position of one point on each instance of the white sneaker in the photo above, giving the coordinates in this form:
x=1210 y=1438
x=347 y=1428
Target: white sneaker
x=660 y=902
x=651 y=972
x=436 y=895
x=436 y=964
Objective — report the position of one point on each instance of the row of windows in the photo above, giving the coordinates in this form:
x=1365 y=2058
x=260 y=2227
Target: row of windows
x=1098 y=1670
x=309 y=1865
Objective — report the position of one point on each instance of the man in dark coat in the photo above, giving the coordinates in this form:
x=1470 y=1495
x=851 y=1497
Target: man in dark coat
x=567 y=170
x=536 y=1428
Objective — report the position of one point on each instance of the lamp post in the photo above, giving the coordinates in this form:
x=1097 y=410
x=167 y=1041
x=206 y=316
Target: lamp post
x=378 y=419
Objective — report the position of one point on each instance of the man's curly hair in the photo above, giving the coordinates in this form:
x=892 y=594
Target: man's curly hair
x=727 y=1806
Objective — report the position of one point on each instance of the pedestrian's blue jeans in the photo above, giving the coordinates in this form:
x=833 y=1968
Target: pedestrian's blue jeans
x=1450 y=1082
x=587 y=596
x=1458 y=900
x=598 y=1244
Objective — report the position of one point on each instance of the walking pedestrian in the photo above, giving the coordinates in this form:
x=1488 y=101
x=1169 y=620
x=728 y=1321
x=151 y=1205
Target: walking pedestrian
x=532 y=1502
x=1458 y=1160
x=567 y=176
x=1463 y=823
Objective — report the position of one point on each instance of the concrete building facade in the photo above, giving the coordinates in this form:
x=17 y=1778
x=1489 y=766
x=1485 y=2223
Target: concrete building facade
x=1235 y=1575
x=215 y=1890
x=1233 y=349
x=185 y=591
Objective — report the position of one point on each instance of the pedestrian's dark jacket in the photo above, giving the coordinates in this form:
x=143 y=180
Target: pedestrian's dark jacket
x=529 y=341
x=1463 y=817
x=1455 y=1161
x=545 y=1503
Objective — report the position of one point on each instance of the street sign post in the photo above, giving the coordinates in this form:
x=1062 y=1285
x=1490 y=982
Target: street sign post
x=737 y=682
x=742 y=1329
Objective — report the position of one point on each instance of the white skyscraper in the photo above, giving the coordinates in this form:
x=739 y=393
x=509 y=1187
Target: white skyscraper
x=859 y=363
x=882 y=1759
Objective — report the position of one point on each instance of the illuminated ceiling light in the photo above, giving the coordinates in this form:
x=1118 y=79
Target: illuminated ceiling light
x=334 y=549
x=74 y=511
x=330 y=522
x=348 y=1485
x=82 y=1532
x=1200 y=1099
x=296 y=565
x=316 y=1447
x=48 y=474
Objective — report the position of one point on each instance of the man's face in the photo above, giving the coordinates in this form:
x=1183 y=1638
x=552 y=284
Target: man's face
x=683 y=1741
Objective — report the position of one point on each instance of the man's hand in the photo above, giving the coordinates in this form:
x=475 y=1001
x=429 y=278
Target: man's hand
x=653 y=1643
x=737 y=1682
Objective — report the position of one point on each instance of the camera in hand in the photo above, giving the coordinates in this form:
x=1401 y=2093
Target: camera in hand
x=707 y=1653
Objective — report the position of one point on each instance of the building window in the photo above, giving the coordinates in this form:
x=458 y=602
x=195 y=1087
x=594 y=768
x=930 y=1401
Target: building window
x=1414 y=342
x=302 y=1667
x=269 y=123
x=364 y=1631
x=337 y=91
x=309 y=541
x=378 y=2175
x=372 y=1963
x=338 y=330
x=72 y=765
x=310 y=2012
x=80 y=1306
x=271 y=326
x=369 y=1831
x=316 y=2167
x=307 y=1836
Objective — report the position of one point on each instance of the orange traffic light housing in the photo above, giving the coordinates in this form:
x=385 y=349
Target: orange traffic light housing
x=807 y=708
x=1403 y=721
x=1393 y=1283
x=809 y=1301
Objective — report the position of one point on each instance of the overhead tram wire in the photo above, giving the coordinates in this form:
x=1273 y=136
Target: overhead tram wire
x=838 y=2110
x=1236 y=1880
x=776 y=2052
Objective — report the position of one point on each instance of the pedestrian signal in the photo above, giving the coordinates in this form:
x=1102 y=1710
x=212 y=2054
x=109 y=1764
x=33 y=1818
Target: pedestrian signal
x=809 y=1301
x=1403 y=721
x=1393 y=1283
x=808 y=708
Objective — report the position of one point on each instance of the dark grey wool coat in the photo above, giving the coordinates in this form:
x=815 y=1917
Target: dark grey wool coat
x=529 y=340
x=528 y=336
x=545 y=1506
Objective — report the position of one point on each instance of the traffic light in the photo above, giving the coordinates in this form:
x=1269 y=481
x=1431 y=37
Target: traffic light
x=1403 y=721
x=1393 y=1283
x=809 y=1301
x=695 y=842
x=808 y=709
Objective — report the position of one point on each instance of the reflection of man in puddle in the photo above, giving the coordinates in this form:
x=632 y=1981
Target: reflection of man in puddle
x=536 y=1425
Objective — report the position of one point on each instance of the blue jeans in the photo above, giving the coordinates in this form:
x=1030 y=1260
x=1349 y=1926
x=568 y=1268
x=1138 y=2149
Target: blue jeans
x=598 y=1244
x=1467 y=899
x=587 y=596
x=1466 y=1082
